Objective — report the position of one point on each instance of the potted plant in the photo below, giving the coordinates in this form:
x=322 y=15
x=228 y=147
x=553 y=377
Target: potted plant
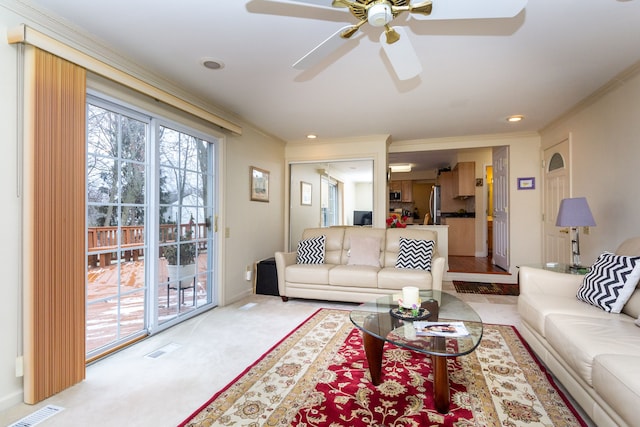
x=181 y=260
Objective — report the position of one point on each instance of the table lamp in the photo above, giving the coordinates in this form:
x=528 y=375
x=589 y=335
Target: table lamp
x=574 y=213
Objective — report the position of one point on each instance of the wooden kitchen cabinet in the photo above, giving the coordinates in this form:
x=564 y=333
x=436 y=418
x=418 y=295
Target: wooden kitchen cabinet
x=462 y=236
x=464 y=179
x=404 y=187
x=407 y=191
x=447 y=201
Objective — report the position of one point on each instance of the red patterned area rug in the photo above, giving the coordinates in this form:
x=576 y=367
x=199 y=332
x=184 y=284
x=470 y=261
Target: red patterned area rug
x=318 y=376
x=486 y=288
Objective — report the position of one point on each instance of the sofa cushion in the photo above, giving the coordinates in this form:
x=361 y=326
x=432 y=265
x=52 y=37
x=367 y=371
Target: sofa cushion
x=354 y=234
x=610 y=281
x=415 y=254
x=579 y=339
x=314 y=274
x=397 y=278
x=311 y=251
x=364 y=251
x=535 y=307
x=360 y=276
x=616 y=379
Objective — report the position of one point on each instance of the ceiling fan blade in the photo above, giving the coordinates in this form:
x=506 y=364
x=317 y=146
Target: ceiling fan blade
x=321 y=51
x=471 y=9
x=401 y=55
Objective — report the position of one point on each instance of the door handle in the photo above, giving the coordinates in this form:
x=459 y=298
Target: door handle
x=564 y=230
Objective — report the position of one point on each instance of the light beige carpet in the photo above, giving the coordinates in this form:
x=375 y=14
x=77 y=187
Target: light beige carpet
x=318 y=376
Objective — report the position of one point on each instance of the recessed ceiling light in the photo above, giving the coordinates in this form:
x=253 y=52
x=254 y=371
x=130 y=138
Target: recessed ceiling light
x=515 y=119
x=312 y=136
x=212 y=63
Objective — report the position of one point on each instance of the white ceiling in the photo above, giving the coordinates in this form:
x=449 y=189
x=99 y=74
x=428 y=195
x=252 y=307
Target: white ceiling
x=475 y=72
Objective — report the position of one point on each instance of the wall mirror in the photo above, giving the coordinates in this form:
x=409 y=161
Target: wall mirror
x=329 y=193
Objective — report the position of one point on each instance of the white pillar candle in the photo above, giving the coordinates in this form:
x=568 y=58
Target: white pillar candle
x=410 y=296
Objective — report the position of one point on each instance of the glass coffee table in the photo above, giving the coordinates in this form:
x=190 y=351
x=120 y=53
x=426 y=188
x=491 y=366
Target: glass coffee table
x=380 y=321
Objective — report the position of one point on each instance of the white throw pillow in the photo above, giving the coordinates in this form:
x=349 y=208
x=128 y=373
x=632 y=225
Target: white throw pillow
x=415 y=254
x=311 y=251
x=364 y=251
x=610 y=281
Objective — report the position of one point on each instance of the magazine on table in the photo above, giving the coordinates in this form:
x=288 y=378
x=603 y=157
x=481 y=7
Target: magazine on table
x=440 y=329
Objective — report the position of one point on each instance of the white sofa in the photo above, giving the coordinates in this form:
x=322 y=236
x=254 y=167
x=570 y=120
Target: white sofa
x=341 y=278
x=593 y=353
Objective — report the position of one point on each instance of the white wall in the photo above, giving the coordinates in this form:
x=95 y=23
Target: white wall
x=10 y=218
x=605 y=149
x=254 y=228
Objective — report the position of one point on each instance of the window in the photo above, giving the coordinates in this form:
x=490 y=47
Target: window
x=330 y=202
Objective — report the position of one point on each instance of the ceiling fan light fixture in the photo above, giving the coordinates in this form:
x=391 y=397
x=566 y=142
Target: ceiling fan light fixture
x=391 y=35
x=379 y=15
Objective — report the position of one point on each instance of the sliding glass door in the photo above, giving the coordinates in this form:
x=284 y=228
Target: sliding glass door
x=150 y=245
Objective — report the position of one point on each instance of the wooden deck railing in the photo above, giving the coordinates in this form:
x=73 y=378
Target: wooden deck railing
x=102 y=242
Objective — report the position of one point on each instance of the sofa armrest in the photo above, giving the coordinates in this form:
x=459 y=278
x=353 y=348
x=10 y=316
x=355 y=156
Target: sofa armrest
x=540 y=281
x=283 y=259
x=437 y=272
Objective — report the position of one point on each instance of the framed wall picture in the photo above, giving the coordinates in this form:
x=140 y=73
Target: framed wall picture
x=259 y=179
x=305 y=193
x=526 y=183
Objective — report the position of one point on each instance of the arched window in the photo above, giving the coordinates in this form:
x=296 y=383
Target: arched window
x=556 y=162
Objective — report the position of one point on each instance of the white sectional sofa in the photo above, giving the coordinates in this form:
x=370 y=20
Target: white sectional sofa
x=359 y=264
x=595 y=354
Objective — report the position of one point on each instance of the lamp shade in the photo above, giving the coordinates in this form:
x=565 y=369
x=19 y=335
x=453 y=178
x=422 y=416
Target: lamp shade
x=575 y=212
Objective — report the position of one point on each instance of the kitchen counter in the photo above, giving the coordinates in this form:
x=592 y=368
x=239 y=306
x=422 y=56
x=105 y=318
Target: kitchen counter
x=462 y=235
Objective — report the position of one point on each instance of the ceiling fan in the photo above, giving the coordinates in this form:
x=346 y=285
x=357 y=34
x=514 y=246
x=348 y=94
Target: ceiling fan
x=394 y=40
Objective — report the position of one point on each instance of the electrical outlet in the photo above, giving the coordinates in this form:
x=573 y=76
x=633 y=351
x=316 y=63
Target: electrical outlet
x=248 y=273
x=585 y=230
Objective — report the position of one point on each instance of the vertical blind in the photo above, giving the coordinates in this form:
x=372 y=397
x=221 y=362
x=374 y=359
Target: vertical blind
x=55 y=206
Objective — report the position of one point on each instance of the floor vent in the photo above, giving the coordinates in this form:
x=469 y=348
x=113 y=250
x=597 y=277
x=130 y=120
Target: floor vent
x=37 y=417
x=162 y=351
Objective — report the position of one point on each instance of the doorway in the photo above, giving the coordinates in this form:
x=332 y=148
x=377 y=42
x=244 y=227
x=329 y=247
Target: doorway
x=557 y=176
x=426 y=166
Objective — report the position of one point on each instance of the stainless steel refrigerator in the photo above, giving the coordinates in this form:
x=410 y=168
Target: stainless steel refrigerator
x=434 y=205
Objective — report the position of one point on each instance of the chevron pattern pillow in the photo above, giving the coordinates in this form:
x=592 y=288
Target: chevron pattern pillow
x=610 y=281
x=415 y=254
x=311 y=251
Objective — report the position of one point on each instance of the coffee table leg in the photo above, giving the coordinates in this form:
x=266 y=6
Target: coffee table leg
x=441 y=384
x=373 y=349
